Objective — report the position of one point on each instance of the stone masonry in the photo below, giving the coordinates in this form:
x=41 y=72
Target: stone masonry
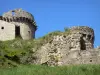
x=75 y=48
x=17 y=23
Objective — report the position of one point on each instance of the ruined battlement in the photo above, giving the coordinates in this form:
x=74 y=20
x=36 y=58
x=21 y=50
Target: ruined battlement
x=82 y=30
x=17 y=23
x=18 y=13
x=18 y=19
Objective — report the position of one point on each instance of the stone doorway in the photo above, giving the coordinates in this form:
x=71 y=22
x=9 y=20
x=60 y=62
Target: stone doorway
x=17 y=31
x=82 y=43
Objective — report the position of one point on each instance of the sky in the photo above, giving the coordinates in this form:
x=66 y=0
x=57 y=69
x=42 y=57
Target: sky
x=52 y=15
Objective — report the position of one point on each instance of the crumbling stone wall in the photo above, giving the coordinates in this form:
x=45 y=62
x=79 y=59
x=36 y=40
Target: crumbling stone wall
x=19 y=19
x=18 y=13
x=53 y=53
x=84 y=35
x=68 y=49
x=83 y=57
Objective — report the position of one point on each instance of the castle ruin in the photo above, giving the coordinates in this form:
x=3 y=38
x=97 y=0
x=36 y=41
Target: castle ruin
x=17 y=23
x=82 y=38
x=74 y=48
x=77 y=47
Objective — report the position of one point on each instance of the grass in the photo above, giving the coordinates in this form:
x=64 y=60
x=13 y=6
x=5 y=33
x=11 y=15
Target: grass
x=45 y=70
x=18 y=50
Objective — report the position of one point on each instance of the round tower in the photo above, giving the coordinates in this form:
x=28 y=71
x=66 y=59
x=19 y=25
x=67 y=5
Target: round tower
x=17 y=23
x=82 y=38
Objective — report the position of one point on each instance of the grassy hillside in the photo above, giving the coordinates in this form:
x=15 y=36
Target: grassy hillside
x=18 y=51
x=45 y=70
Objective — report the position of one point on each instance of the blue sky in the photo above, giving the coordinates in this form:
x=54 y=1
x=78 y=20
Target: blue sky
x=51 y=15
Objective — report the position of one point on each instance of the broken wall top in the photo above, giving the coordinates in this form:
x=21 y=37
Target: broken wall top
x=82 y=30
x=18 y=13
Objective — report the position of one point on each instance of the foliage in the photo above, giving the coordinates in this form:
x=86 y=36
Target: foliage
x=66 y=29
x=15 y=50
x=45 y=70
x=48 y=37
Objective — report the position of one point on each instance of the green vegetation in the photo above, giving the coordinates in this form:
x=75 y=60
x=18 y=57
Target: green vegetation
x=49 y=36
x=45 y=70
x=14 y=52
x=18 y=51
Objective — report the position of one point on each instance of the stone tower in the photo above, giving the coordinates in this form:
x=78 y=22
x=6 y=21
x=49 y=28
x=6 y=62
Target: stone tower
x=82 y=38
x=75 y=46
x=17 y=23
